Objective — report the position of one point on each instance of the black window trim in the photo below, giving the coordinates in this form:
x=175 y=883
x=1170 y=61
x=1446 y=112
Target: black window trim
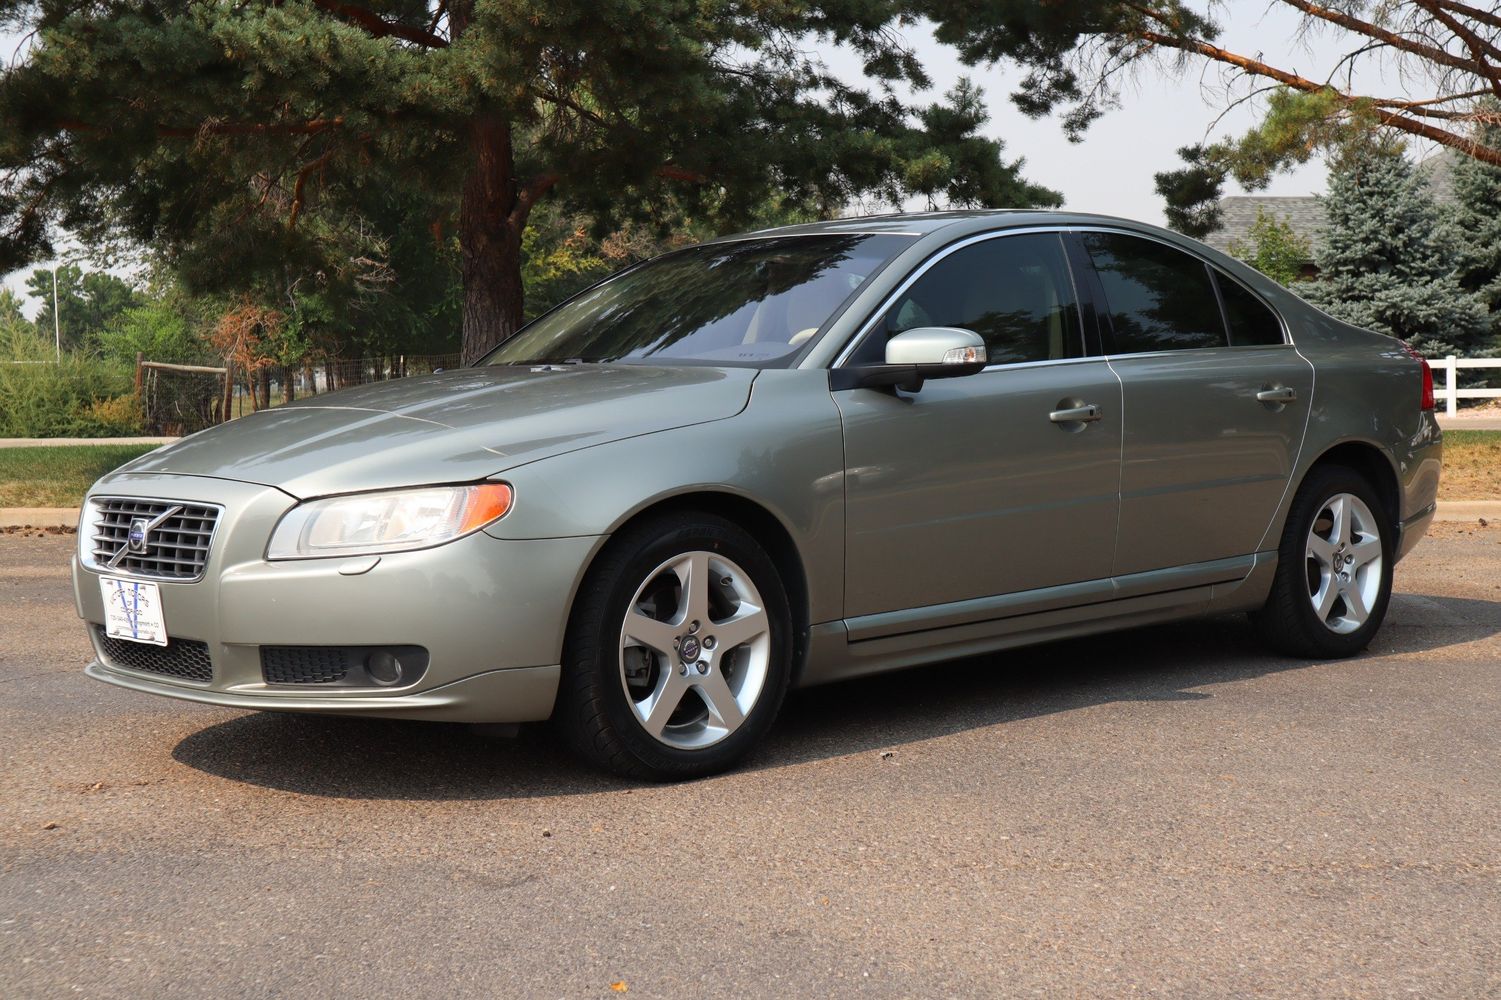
x=1092 y=346
x=1080 y=260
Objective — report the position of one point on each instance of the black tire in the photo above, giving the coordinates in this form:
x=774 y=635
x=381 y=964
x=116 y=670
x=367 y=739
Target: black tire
x=1289 y=622
x=594 y=712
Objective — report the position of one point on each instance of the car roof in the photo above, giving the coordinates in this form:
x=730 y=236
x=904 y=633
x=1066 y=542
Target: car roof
x=928 y=223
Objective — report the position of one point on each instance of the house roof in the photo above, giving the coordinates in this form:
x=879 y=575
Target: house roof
x=1238 y=214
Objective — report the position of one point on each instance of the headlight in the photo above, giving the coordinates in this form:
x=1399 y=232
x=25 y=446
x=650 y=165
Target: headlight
x=392 y=521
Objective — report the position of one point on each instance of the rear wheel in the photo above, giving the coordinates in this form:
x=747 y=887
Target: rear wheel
x=678 y=652
x=1334 y=569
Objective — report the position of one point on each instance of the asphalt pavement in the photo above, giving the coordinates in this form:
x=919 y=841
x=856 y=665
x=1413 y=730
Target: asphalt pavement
x=1166 y=812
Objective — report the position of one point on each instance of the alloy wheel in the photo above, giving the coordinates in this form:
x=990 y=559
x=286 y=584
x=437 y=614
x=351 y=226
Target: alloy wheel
x=695 y=650
x=1344 y=563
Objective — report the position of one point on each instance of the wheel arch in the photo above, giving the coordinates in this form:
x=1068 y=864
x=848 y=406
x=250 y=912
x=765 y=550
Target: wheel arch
x=769 y=530
x=1375 y=465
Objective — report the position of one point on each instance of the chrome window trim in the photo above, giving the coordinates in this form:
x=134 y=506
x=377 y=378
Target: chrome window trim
x=86 y=551
x=1196 y=255
x=941 y=254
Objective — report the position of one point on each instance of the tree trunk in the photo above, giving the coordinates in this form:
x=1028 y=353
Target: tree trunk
x=490 y=240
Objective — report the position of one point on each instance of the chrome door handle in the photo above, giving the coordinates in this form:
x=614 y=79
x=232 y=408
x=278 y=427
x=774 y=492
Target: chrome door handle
x=1076 y=415
x=1281 y=394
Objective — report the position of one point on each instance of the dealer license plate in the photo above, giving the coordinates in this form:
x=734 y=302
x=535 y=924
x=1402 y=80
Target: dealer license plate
x=133 y=610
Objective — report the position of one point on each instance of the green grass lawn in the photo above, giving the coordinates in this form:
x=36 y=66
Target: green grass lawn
x=1472 y=466
x=57 y=476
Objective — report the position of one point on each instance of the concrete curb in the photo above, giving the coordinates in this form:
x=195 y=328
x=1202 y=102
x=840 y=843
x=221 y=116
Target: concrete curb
x=1468 y=510
x=67 y=517
x=38 y=517
x=74 y=442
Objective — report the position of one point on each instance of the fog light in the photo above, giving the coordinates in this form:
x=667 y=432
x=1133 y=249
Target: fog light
x=382 y=667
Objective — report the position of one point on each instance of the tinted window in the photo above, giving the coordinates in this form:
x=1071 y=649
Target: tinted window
x=1014 y=291
x=1157 y=298
x=1251 y=321
x=750 y=302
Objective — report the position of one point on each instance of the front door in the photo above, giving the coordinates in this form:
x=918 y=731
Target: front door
x=982 y=485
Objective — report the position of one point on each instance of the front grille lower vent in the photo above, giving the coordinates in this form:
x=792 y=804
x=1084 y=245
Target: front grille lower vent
x=184 y=658
x=304 y=664
x=176 y=548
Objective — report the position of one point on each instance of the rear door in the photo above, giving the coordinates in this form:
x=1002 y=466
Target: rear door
x=1215 y=399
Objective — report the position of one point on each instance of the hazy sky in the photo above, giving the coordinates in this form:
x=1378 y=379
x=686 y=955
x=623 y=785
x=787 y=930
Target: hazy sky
x=1111 y=170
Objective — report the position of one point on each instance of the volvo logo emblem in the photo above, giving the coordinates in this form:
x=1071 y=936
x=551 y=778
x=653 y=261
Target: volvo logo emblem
x=135 y=541
x=690 y=648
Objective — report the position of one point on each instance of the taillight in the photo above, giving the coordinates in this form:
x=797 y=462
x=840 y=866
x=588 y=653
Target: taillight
x=1427 y=402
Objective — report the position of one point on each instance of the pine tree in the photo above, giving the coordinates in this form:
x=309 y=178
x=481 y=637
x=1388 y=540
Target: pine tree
x=1476 y=218
x=1387 y=261
x=229 y=136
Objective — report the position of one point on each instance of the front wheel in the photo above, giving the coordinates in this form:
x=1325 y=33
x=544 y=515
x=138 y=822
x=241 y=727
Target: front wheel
x=1334 y=569
x=678 y=652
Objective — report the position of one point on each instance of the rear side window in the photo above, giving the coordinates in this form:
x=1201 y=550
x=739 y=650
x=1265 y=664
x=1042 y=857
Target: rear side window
x=1251 y=321
x=1157 y=298
x=1014 y=291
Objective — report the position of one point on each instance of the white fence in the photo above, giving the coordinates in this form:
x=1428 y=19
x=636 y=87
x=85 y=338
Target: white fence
x=1451 y=393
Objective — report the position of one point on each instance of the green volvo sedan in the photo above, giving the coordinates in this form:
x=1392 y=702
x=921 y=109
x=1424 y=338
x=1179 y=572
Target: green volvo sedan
x=773 y=460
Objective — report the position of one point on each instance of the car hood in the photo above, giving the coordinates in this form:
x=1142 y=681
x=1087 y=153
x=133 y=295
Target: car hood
x=451 y=427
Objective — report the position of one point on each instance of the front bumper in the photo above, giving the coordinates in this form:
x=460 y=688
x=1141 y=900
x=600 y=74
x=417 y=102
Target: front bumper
x=490 y=612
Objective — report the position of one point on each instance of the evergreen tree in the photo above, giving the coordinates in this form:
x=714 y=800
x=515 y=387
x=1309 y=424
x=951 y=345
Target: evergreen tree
x=10 y=308
x=222 y=134
x=1191 y=194
x=1387 y=261
x=1476 y=216
x=87 y=303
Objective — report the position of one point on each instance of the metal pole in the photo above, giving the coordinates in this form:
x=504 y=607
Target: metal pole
x=57 y=329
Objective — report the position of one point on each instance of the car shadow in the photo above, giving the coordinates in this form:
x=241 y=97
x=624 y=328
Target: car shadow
x=1181 y=662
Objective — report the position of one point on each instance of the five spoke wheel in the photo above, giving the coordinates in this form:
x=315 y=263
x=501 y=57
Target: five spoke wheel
x=694 y=649
x=679 y=649
x=1333 y=577
x=1344 y=563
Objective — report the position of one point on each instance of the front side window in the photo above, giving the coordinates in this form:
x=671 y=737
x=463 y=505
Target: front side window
x=1014 y=291
x=1157 y=298
x=750 y=302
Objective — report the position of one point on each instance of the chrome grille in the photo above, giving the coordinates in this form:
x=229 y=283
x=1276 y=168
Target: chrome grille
x=176 y=547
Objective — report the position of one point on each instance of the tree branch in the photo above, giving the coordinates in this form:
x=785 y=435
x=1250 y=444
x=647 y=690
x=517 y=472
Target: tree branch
x=1483 y=16
x=1479 y=47
x=1391 y=118
x=380 y=28
x=1396 y=41
x=218 y=128
x=302 y=176
x=527 y=198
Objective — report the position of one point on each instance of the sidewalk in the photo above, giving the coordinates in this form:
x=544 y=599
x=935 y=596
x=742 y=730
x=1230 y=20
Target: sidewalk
x=48 y=442
x=1487 y=423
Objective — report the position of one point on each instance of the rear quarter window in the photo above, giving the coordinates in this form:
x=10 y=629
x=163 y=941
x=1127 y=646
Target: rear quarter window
x=1252 y=321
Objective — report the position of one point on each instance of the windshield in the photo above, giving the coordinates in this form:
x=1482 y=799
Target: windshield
x=749 y=302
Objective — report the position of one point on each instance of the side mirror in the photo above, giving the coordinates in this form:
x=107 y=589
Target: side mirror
x=916 y=355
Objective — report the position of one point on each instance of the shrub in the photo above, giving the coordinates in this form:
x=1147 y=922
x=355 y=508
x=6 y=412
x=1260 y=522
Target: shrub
x=43 y=397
